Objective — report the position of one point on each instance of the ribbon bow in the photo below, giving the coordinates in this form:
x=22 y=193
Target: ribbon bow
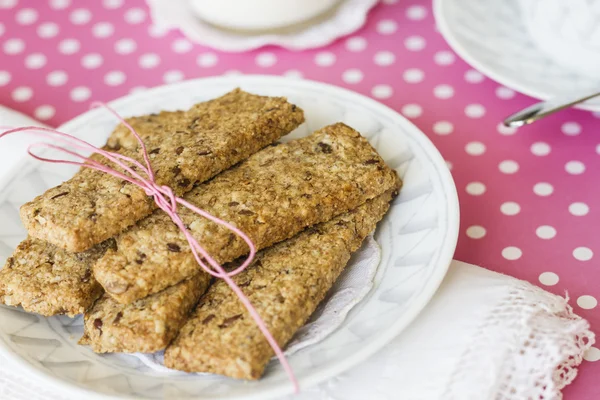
x=164 y=198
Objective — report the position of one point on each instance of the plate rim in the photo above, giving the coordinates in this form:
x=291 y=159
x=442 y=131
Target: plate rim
x=456 y=45
x=418 y=303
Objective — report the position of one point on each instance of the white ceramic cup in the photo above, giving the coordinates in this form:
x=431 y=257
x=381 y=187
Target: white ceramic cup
x=259 y=14
x=568 y=31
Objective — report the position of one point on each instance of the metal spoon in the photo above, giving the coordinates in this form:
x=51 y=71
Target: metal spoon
x=544 y=108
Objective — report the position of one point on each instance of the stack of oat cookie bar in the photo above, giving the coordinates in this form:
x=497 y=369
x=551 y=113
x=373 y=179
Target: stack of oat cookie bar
x=97 y=245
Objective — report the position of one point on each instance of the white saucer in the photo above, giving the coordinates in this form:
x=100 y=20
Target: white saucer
x=417 y=238
x=345 y=18
x=490 y=35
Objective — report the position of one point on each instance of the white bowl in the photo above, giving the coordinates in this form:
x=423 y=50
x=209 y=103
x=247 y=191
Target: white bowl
x=567 y=31
x=259 y=14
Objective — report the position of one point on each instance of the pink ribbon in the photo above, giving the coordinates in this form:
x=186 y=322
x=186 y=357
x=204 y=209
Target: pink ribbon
x=165 y=199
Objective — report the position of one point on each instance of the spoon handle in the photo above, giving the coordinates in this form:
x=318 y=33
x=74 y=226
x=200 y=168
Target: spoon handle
x=544 y=108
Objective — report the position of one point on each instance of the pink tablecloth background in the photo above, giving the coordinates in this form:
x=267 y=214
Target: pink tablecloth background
x=530 y=200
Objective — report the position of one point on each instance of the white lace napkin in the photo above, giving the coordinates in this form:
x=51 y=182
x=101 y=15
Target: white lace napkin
x=483 y=336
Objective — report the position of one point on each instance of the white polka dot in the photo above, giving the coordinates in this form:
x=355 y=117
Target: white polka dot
x=412 y=110
x=35 y=61
x=22 y=93
x=172 y=76
x=475 y=148
x=112 y=4
x=60 y=4
x=2 y=29
x=6 y=4
x=80 y=16
x=504 y=93
x=4 y=78
x=540 y=149
x=473 y=76
x=80 y=93
x=543 y=189
x=47 y=30
x=44 y=112
x=352 y=76
x=356 y=43
x=545 y=232
x=587 y=302
x=475 y=111
x=57 y=78
x=548 y=278
x=505 y=130
x=592 y=354
x=157 y=31
x=27 y=16
x=510 y=208
x=91 y=61
x=294 y=74
x=575 y=167
x=475 y=188
x=571 y=128
x=443 y=91
x=207 y=60
x=125 y=46
x=384 y=58
x=386 y=27
x=416 y=13
x=579 y=209
x=598 y=149
x=114 y=78
x=149 y=60
x=415 y=43
x=511 y=253
x=583 y=253
x=103 y=29
x=382 y=91
x=14 y=46
x=508 y=167
x=69 y=46
x=476 y=232
x=135 y=15
x=449 y=165
x=137 y=89
x=181 y=45
x=413 y=75
x=325 y=59
x=265 y=60
x=443 y=127
x=444 y=57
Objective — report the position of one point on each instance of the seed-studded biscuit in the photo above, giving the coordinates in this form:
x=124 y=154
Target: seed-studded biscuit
x=272 y=196
x=285 y=285
x=145 y=326
x=185 y=147
x=47 y=280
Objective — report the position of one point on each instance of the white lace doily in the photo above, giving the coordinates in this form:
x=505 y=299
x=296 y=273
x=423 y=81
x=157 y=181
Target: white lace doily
x=344 y=19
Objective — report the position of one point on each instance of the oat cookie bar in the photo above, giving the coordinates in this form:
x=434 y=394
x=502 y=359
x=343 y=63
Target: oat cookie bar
x=285 y=285
x=272 y=196
x=145 y=326
x=186 y=147
x=47 y=280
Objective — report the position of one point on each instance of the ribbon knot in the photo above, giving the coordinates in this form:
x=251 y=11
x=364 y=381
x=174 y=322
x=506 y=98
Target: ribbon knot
x=164 y=198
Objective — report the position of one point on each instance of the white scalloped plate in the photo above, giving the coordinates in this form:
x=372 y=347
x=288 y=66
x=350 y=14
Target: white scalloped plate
x=418 y=237
x=491 y=36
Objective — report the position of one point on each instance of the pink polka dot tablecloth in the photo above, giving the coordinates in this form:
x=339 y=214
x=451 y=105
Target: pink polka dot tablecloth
x=529 y=202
